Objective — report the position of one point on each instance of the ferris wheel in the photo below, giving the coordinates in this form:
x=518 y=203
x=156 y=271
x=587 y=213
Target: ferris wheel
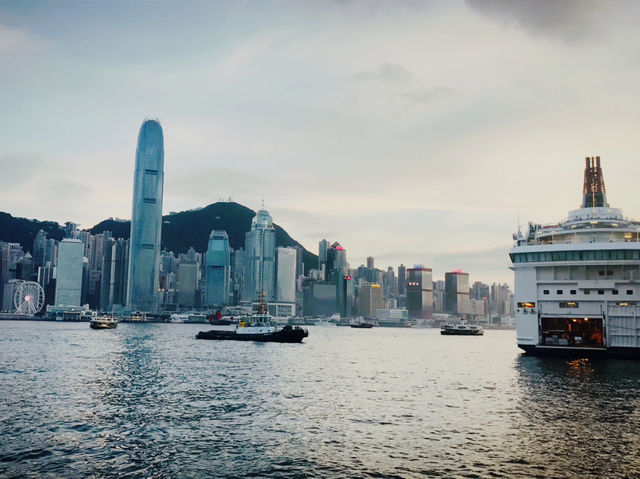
x=28 y=297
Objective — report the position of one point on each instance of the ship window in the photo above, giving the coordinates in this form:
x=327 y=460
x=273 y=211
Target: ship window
x=601 y=254
x=559 y=291
x=573 y=291
x=559 y=256
x=587 y=291
x=568 y=304
x=629 y=291
x=601 y=273
x=609 y=273
x=601 y=291
x=526 y=304
x=589 y=255
x=614 y=291
x=546 y=291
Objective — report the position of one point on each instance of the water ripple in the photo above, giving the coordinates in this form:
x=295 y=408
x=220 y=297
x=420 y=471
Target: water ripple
x=150 y=401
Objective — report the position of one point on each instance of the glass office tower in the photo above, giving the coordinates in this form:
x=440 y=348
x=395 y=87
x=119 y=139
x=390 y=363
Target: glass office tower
x=146 y=219
x=217 y=267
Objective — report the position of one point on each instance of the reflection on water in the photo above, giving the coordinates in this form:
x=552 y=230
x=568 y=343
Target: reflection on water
x=580 y=417
x=149 y=400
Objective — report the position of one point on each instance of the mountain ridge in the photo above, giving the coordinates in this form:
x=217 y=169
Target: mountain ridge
x=180 y=230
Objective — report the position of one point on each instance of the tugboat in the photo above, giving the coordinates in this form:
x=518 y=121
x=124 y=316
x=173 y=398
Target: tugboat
x=258 y=328
x=461 y=329
x=103 y=322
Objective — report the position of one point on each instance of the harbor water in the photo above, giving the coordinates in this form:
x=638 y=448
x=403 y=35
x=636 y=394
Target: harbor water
x=148 y=400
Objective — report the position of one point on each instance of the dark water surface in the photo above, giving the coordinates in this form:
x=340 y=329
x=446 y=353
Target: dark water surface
x=150 y=401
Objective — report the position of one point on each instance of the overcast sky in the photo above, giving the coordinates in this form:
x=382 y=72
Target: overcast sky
x=414 y=132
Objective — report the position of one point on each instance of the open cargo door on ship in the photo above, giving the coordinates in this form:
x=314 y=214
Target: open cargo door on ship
x=572 y=332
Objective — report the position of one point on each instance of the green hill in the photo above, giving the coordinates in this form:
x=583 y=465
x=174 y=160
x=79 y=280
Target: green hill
x=180 y=230
x=24 y=231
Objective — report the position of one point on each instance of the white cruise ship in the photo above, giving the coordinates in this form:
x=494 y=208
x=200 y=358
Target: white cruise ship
x=577 y=283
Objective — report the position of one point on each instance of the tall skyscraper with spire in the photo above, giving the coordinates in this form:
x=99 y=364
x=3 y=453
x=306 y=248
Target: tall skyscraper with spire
x=146 y=219
x=259 y=258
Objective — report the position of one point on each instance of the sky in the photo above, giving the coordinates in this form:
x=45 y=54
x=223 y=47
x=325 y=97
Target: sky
x=416 y=132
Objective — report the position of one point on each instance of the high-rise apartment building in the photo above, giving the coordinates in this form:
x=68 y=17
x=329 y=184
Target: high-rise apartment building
x=217 y=270
x=69 y=272
x=286 y=275
x=146 y=219
x=259 y=258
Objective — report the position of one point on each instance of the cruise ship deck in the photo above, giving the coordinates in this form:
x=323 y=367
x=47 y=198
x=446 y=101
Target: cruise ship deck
x=577 y=283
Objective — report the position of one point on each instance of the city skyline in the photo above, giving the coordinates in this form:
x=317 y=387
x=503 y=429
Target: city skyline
x=357 y=121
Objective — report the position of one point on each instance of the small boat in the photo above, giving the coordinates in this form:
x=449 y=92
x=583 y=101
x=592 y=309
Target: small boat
x=360 y=323
x=179 y=318
x=461 y=329
x=257 y=328
x=103 y=322
x=219 y=320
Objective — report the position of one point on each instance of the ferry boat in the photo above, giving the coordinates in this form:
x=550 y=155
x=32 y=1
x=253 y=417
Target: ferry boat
x=461 y=329
x=103 y=322
x=577 y=283
x=258 y=327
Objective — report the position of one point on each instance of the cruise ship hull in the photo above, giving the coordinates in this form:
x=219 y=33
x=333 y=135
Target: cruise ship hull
x=615 y=352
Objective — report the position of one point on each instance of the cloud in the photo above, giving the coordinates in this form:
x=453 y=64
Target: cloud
x=19 y=170
x=567 y=19
x=387 y=72
x=430 y=95
x=14 y=41
x=208 y=185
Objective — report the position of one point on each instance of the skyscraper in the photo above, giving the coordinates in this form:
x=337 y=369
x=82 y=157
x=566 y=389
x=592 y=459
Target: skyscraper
x=402 y=282
x=456 y=292
x=259 y=258
x=370 y=299
x=69 y=272
x=217 y=269
x=419 y=292
x=286 y=275
x=146 y=219
x=323 y=248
